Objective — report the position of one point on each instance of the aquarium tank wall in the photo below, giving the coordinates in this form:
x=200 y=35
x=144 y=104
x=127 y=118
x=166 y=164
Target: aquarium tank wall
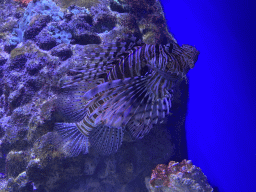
x=220 y=123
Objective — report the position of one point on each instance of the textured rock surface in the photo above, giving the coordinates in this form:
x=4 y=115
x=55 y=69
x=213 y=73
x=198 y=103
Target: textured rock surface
x=38 y=45
x=178 y=177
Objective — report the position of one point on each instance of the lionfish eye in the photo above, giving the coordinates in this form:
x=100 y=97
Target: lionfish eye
x=145 y=70
x=169 y=47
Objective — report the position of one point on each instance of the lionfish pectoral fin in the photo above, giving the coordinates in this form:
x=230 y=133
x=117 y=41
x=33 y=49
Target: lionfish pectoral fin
x=138 y=130
x=71 y=103
x=74 y=141
x=167 y=75
x=106 y=139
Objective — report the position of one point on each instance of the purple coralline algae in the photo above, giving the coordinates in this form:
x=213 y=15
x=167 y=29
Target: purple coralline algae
x=41 y=47
x=178 y=177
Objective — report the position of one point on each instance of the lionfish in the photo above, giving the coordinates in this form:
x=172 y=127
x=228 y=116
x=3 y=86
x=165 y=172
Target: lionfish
x=125 y=86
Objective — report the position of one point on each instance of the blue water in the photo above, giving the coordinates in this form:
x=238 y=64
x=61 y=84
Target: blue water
x=221 y=119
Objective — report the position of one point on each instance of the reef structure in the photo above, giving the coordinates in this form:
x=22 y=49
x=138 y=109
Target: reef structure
x=178 y=177
x=124 y=87
x=40 y=44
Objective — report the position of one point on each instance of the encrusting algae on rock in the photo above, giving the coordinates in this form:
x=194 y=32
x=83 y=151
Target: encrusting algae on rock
x=124 y=86
x=178 y=177
x=42 y=45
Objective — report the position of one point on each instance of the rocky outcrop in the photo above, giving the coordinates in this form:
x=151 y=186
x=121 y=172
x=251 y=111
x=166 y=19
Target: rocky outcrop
x=39 y=43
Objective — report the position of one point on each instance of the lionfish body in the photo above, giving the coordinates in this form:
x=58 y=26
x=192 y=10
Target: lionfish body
x=124 y=86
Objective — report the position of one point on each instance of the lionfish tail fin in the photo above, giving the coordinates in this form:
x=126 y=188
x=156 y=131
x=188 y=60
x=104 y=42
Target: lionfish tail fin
x=106 y=139
x=74 y=142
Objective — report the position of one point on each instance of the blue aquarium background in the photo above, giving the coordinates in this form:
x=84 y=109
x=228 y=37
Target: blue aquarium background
x=221 y=122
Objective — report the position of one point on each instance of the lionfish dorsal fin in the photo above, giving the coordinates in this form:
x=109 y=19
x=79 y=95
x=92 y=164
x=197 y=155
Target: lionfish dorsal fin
x=108 y=51
x=100 y=60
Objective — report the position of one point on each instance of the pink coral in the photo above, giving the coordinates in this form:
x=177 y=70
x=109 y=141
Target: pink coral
x=183 y=176
x=25 y=2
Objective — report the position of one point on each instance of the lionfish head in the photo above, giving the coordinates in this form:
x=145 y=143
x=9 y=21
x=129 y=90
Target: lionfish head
x=180 y=59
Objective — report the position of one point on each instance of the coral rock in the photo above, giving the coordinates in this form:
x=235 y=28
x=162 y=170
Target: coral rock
x=16 y=163
x=90 y=166
x=103 y=19
x=178 y=177
x=45 y=40
x=62 y=51
x=36 y=25
x=39 y=44
x=3 y=58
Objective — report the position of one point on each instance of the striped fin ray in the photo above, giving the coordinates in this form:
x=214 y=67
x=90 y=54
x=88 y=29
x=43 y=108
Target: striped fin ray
x=124 y=89
x=122 y=107
x=161 y=100
x=79 y=136
x=102 y=100
x=156 y=106
x=129 y=64
x=111 y=50
x=102 y=96
x=154 y=103
x=158 y=85
x=108 y=85
x=129 y=99
x=103 y=59
x=77 y=99
x=74 y=141
x=105 y=52
x=87 y=73
x=142 y=122
x=121 y=85
x=135 y=99
x=106 y=139
x=170 y=61
x=119 y=91
x=71 y=104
